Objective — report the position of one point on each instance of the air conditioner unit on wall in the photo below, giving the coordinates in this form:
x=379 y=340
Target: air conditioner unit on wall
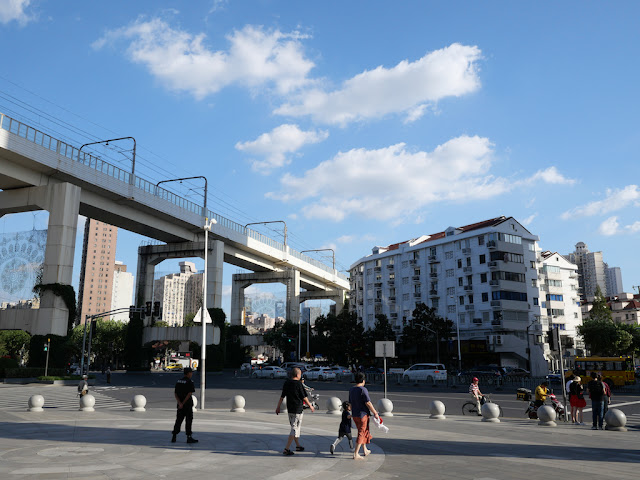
x=498 y=339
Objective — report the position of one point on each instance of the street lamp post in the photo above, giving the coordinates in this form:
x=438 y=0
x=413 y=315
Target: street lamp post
x=457 y=333
x=207 y=227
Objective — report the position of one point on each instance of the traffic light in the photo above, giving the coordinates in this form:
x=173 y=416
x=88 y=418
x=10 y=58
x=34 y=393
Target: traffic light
x=554 y=339
x=46 y=347
x=156 y=309
x=93 y=328
x=147 y=309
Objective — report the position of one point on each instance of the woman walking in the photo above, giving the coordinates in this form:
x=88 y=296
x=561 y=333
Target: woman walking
x=361 y=410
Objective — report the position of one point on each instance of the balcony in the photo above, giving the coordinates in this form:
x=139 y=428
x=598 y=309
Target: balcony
x=496 y=303
x=466 y=251
x=413 y=261
x=417 y=295
x=469 y=307
x=377 y=284
x=391 y=283
x=493 y=264
x=433 y=293
x=416 y=278
x=491 y=244
x=477 y=321
x=467 y=269
x=433 y=274
x=377 y=300
x=360 y=301
x=377 y=269
x=390 y=266
x=432 y=259
x=496 y=323
x=494 y=283
x=392 y=299
x=393 y=315
x=468 y=288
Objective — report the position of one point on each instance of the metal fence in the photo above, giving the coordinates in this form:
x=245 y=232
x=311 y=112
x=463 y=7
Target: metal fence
x=69 y=151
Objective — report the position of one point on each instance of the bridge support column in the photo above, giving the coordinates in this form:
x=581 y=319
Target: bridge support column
x=215 y=261
x=62 y=201
x=144 y=280
x=293 y=296
x=237 y=301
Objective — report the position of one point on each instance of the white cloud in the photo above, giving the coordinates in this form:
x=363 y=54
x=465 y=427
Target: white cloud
x=276 y=144
x=182 y=62
x=11 y=10
x=409 y=88
x=527 y=221
x=355 y=238
x=394 y=182
x=611 y=227
x=616 y=199
x=550 y=175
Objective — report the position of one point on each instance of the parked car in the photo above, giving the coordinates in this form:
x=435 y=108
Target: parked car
x=319 y=373
x=339 y=370
x=248 y=367
x=425 y=371
x=289 y=365
x=484 y=371
x=269 y=372
x=518 y=372
x=173 y=367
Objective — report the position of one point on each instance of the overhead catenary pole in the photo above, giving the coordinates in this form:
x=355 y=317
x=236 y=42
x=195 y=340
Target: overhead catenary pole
x=203 y=351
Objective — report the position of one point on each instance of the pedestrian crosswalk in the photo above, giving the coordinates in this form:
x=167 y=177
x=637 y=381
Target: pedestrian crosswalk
x=16 y=398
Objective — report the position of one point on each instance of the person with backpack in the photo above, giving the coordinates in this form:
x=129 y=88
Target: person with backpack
x=597 y=395
x=577 y=400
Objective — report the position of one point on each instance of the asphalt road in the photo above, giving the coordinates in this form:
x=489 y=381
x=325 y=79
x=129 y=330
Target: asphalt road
x=263 y=394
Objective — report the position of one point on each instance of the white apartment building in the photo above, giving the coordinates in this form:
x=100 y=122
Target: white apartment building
x=481 y=276
x=179 y=294
x=613 y=277
x=560 y=303
x=122 y=291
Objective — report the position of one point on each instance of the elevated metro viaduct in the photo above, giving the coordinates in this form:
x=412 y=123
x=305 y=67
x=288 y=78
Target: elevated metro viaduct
x=39 y=172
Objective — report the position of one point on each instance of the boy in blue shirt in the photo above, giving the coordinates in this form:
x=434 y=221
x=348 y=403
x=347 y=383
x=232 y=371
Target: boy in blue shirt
x=345 y=427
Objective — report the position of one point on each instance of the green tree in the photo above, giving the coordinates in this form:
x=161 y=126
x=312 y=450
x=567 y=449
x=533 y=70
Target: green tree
x=14 y=341
x=188 y=320
x=599 y=308
x=341 y=338
x=284 y=337
x=424 y=334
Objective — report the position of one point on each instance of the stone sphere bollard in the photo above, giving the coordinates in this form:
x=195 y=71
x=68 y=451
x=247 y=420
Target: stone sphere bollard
x=334 y=406
x=237 y=404
x=547 y=416
x=385 y=407
x=195 y=403
x=35 y=403
x=616 y=420
x=437 y=410
x=138 y=403
x=87 y=402
x=490 y=412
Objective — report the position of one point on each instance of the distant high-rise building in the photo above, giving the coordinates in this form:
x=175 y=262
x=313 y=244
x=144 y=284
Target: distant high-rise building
x=591 y=269
x=614 y=280
x=96 y=270
x=179 y=294
x=280 y=309
x=122 y=296
x=310 y=314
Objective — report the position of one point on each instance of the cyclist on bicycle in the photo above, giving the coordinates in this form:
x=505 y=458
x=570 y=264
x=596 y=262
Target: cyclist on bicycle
x=474 y=391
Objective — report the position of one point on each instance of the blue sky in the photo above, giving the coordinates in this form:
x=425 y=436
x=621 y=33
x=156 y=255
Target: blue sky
x=359 y=123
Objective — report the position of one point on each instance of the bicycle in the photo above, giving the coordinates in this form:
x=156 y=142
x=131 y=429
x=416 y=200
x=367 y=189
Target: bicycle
x=471 y=408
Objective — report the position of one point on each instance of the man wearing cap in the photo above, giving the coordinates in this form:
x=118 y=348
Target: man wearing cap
x=183 y=392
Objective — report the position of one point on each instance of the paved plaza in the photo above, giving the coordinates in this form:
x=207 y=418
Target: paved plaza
x=114 y=443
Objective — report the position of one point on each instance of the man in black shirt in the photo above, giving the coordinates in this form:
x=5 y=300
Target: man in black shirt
x=296 y=396
x=183 y=392
x=597 y=394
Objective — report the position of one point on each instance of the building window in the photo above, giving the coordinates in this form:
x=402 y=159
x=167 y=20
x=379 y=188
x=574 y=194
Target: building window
x=451 y=290
x=461 y=300
x=534 y=282
x=451 y=309
x=483 y=278
x=405 y=297
x=481 y=240
x=483 y=259
x=432 y=251
x=460 y=281
x=470 y=299
x=405 y=263
x=450 y=273
x=459 y=263
x=448 y=255
x=405 y=280
x=485 y=297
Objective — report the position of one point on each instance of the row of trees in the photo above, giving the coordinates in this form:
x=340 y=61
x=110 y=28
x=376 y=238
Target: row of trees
x=605 y=337
x=342 y=339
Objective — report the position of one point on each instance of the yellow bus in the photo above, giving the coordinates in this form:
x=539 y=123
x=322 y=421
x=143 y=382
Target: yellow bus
x=616 y=371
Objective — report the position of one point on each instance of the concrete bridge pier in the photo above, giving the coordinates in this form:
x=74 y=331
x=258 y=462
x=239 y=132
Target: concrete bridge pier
x=62 y=201
x=290 y=277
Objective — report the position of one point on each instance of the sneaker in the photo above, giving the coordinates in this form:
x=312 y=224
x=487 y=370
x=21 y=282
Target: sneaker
x=594 y=428
x=601 y=427
x=191 y=440
x=286 y=452
x=332 y=449
x=173 y=438
x=299 y=448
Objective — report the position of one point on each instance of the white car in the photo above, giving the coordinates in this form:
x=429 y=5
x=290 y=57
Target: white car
x=340 y=371
x=320 y=373
x=429 y=372
x=269 y=372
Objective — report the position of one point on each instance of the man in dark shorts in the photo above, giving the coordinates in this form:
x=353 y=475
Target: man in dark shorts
x=296 y=397
x=183 y=392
